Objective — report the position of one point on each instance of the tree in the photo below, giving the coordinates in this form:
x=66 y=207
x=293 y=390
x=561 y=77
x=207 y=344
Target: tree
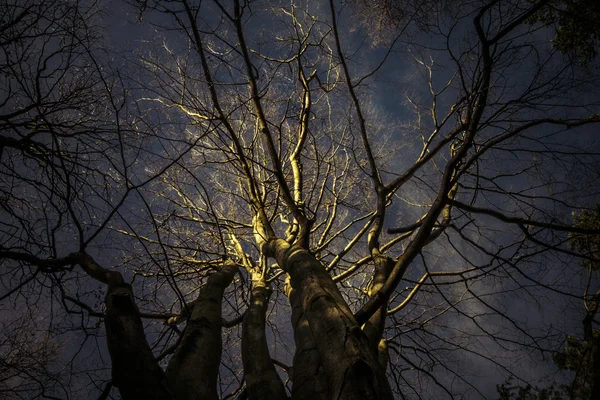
x=576 y=32
x=507 y=392
x=234 y=185
x=581 y=357
x=28 y=367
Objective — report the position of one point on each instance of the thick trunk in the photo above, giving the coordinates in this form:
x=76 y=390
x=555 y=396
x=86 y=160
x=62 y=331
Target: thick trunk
x=352 y=367
x=193 y=370
x=135 y=371
x=309 y=381
x=262 y=380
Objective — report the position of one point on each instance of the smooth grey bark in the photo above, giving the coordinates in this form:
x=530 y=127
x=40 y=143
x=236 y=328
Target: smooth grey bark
x=309 y=381
x=135 y=371
x=383 y=353
x=374 y=327
x=262 y=380
x=193 y=370
x=352 y=367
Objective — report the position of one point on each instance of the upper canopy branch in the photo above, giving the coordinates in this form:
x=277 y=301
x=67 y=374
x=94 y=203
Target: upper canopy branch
x=264 y=126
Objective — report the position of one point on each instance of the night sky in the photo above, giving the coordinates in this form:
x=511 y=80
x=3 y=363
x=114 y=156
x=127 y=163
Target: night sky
x=112 y=143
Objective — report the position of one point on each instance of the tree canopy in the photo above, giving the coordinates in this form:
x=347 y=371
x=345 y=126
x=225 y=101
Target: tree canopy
x=581 y=357
x=307 y=199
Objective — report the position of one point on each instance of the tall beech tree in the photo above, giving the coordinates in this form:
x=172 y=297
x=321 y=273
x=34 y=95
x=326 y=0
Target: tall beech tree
x=305 y=199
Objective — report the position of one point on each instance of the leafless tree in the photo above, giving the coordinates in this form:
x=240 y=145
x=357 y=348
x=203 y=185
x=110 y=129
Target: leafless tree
x=276 y=205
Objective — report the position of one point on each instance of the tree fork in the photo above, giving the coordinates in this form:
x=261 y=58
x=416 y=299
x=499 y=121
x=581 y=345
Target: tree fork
x=353 y=368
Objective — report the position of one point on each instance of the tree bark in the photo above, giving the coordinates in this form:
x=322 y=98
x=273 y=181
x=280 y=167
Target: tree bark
x=262 y=380
x=374 y=327
x=193 y=370
x=309 y=381
x=595 y=392
x=351 y=365
x=135 y=371
x=594 y=343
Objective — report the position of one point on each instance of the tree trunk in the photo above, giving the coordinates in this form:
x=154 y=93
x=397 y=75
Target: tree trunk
x=353 y=368
x=374 y=327
x=135 y=371
x=309 y=381
x=595 y=390
x=262 y=380
x=193 y=370
x=594 y=342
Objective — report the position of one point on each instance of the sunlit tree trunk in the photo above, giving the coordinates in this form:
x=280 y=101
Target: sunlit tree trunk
x=309 y=379
x=193 y=370
x=262 y=380
x=374 y=327
x=352 y=367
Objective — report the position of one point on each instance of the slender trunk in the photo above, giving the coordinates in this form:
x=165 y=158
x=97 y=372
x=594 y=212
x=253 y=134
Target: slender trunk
x=594 y=343
x=135 y=371
x=351 y=365
x=193 y=370
x=309 y=381
x=595 y=392
x=374 y=327
x=262 y=380
x=382 y=354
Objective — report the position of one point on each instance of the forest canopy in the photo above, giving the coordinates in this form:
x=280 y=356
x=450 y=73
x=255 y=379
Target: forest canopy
x=308 y=199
